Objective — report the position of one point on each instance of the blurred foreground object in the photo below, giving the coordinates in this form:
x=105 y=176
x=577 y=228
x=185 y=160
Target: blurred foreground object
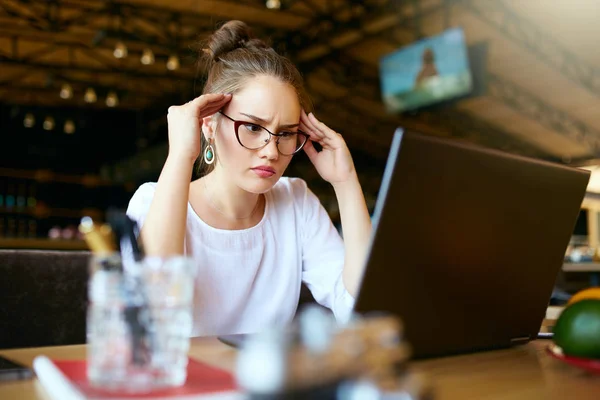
x=139 y=319
x=589 y=293
x=317 y=359
x=577 y=330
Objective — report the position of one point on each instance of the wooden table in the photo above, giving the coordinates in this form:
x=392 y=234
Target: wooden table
x=523 y=372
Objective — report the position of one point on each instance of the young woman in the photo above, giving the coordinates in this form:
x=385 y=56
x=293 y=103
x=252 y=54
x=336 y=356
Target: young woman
x=255 y=235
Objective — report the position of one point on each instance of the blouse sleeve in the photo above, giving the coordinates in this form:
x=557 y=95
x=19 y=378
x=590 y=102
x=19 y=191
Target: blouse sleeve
x=322 y=255
x=138 y=209
x=140 y=203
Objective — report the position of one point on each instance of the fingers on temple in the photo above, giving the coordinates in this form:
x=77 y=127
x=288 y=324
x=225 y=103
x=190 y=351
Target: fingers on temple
x=307 y=126
x=324 y=129
x=208 y=104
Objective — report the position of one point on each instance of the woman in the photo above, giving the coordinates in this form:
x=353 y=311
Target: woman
x=255 y=235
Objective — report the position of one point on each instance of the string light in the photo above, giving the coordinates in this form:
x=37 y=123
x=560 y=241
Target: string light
x=90 y=96
x=66 y=92
x=147 y=57
x=173 y=62
x=273 y=4
x=69 y=127
x=120 y=50
x=29 y=120
x=48 y=123
x=112 y=100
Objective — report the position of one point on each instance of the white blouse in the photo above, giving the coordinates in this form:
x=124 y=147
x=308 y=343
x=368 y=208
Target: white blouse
x=249 y=279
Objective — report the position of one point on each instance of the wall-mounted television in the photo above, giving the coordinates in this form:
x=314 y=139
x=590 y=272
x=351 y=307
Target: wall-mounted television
x=427 y=72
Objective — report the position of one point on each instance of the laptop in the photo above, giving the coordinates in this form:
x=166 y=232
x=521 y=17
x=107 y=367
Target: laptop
x=467 y=243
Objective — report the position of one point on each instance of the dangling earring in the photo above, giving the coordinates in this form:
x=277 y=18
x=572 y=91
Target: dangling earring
x=209 y=153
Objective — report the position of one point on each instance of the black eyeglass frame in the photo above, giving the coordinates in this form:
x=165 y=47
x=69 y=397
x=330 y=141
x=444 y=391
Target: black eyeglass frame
x=238 y=123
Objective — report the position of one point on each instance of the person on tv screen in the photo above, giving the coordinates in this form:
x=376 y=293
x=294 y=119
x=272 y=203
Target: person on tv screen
x=428 y=68
x=254 y=234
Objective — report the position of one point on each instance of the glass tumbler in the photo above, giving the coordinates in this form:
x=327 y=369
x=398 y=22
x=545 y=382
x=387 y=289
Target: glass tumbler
x=139 y=322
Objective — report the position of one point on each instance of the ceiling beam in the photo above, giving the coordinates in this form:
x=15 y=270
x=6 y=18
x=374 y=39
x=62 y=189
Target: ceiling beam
x=538 y=110
x=260 y=5
x=22 y=14
x=526 y=34
x=312 y=5
x=126 y=72
x=84 y=14
x=375 y=21
x=203 y=12
x=103 y=39
x=25 y=72
x=470 y=127
x=153 y=27
x=173 y=26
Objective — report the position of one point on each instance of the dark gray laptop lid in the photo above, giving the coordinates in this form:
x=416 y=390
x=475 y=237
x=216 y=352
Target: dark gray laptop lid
x=467 y=242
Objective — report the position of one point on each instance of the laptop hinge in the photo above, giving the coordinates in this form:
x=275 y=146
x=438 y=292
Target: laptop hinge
x=520 y=340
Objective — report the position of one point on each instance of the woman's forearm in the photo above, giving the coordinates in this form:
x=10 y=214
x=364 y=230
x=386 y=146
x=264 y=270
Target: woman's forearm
x=356 y=226
x=163 y=232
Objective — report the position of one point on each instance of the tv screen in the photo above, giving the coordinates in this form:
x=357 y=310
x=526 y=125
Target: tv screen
x=426 y=72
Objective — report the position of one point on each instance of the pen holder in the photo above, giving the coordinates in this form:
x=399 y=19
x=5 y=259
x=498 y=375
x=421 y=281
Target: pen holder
x=139 y=322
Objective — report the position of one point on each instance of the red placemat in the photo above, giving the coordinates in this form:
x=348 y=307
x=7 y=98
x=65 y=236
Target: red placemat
x=202 y=379
x=588 y=364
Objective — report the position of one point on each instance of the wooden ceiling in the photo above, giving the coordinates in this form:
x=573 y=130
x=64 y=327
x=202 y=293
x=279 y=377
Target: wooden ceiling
x=543 y=82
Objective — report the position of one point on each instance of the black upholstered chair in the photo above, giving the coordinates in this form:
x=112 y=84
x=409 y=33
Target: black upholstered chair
x=43 y=297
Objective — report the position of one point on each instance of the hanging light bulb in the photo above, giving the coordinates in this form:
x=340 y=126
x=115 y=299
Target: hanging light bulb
x=173 y=62
x=120 y=50
x=112 y=100
x=69 y=127
x=147 y=57
x=48 y=123
x=66 y=92
x=90 y=96
x=29 y=120
x=273 y=4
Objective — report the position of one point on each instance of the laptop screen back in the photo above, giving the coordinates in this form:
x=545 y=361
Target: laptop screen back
x=467 y=243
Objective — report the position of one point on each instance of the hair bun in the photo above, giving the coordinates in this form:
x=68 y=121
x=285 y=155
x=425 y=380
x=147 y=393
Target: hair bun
x=231 y=36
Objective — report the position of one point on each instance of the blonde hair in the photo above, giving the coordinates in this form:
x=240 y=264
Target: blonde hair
x=232 y=56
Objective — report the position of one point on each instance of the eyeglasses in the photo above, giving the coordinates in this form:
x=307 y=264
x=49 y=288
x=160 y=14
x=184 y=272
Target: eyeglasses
x=253 y=137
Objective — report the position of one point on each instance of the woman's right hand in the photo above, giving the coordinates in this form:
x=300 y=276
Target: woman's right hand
x=185 y=123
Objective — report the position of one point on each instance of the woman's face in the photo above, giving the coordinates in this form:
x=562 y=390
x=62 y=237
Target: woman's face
x=265 y=101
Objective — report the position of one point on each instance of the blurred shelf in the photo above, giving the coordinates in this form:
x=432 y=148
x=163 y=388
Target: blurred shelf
x=45 y=212
x=581 y=267
x=42 y=244
x=44 y=175
x=552 y=314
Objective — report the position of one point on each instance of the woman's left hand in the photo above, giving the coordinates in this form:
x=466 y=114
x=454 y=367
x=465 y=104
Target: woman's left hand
x=334 y=163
